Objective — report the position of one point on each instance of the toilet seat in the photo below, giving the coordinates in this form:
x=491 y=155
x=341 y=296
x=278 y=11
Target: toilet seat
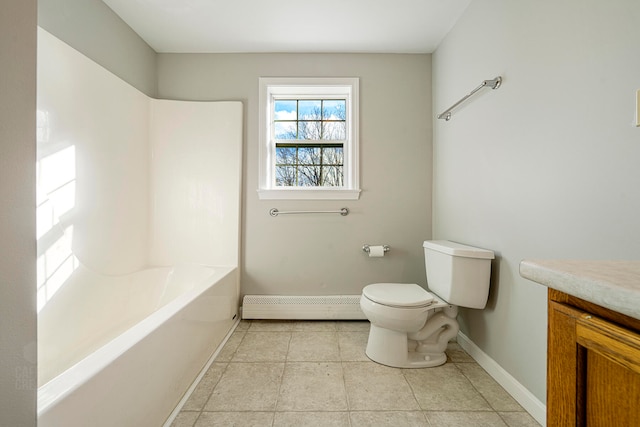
x=400 y=295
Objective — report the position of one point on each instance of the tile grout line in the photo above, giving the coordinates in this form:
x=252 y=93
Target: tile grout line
x=222 y=373
x=413 y=393
x=284 y=368
x=211 y=392
x=344 y=379
x=482 y=394
x=208 y=366
x=475 y=388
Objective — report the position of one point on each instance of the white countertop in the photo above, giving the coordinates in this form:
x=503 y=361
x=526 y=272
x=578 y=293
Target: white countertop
x=611 y=284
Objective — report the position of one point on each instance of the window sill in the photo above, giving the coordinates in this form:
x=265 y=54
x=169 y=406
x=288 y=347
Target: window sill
x=308 y=194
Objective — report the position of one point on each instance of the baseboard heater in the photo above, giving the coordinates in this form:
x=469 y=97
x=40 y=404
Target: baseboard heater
x=331 y=307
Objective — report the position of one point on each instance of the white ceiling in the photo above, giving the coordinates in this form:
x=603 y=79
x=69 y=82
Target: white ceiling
x=390 y=26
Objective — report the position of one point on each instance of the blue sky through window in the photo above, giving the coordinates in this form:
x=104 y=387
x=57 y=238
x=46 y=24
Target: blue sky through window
x=293 y=116
x=291 y=109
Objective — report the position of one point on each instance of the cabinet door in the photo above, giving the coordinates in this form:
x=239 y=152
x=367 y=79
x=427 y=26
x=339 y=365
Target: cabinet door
x=593 y=371
x=611 y=372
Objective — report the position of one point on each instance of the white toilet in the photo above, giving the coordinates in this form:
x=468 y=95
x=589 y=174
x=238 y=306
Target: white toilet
x=410 y=327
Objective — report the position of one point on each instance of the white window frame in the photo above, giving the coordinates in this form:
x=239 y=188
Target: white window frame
x=274 y=87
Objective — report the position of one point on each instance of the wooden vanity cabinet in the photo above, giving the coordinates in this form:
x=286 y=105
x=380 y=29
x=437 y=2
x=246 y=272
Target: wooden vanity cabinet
x=593 y=365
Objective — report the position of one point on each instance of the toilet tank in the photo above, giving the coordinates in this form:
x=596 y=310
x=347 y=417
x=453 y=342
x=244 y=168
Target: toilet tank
x=458 y=273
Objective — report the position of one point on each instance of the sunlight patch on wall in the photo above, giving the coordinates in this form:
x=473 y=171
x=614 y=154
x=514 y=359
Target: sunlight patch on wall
x=55 y=200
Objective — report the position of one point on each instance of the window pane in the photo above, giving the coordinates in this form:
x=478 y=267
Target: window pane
x=285 y=109
x=285 y=130
x=309 y=176
x=286 y=155
x=309 y=155
x=332 y=176
x=309 y=130
x=309 y=109
x=334 y=130
x=333 y=156
x=285 y=176
x=334 y=109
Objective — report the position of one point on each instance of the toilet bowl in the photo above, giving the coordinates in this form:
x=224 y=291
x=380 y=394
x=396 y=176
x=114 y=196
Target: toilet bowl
x=393 y=321
x=410 y=326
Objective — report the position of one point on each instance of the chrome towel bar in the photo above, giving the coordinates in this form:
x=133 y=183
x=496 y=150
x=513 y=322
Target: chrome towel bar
x=493 y=84
x=276 y=212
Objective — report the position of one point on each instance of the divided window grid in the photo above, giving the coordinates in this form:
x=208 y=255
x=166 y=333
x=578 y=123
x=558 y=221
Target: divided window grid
x=309 y=137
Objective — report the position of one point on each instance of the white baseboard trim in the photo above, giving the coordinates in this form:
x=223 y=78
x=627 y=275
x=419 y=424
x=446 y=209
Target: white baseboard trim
x=524 y=397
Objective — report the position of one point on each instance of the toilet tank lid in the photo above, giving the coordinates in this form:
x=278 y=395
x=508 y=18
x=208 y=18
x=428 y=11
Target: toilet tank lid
x=458 y=249
x=398 y=294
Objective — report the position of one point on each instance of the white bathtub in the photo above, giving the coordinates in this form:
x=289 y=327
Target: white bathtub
x=122 y=350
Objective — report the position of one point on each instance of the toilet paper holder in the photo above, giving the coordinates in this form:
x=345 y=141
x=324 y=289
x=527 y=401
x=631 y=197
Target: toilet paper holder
x=386 y=248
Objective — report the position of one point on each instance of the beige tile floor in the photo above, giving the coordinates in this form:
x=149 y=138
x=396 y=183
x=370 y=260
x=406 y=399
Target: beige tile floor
x=315 y=373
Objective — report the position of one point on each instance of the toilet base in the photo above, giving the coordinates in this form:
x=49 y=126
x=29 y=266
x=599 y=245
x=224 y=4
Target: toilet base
x=391 y=348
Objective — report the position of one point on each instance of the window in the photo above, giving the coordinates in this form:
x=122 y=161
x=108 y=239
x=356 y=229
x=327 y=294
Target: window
x=308 y=138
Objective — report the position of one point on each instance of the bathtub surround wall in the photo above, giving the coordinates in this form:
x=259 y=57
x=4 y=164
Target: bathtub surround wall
x=93 y=165
x=197 y=181
x=17 y=221
x=322 y=254
x=127 y=158
x=544 y=167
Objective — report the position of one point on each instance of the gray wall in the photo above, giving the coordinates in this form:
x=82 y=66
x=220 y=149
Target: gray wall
x=321 y=254
x=92 y=28
x=17 y=222
x=544 y=167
